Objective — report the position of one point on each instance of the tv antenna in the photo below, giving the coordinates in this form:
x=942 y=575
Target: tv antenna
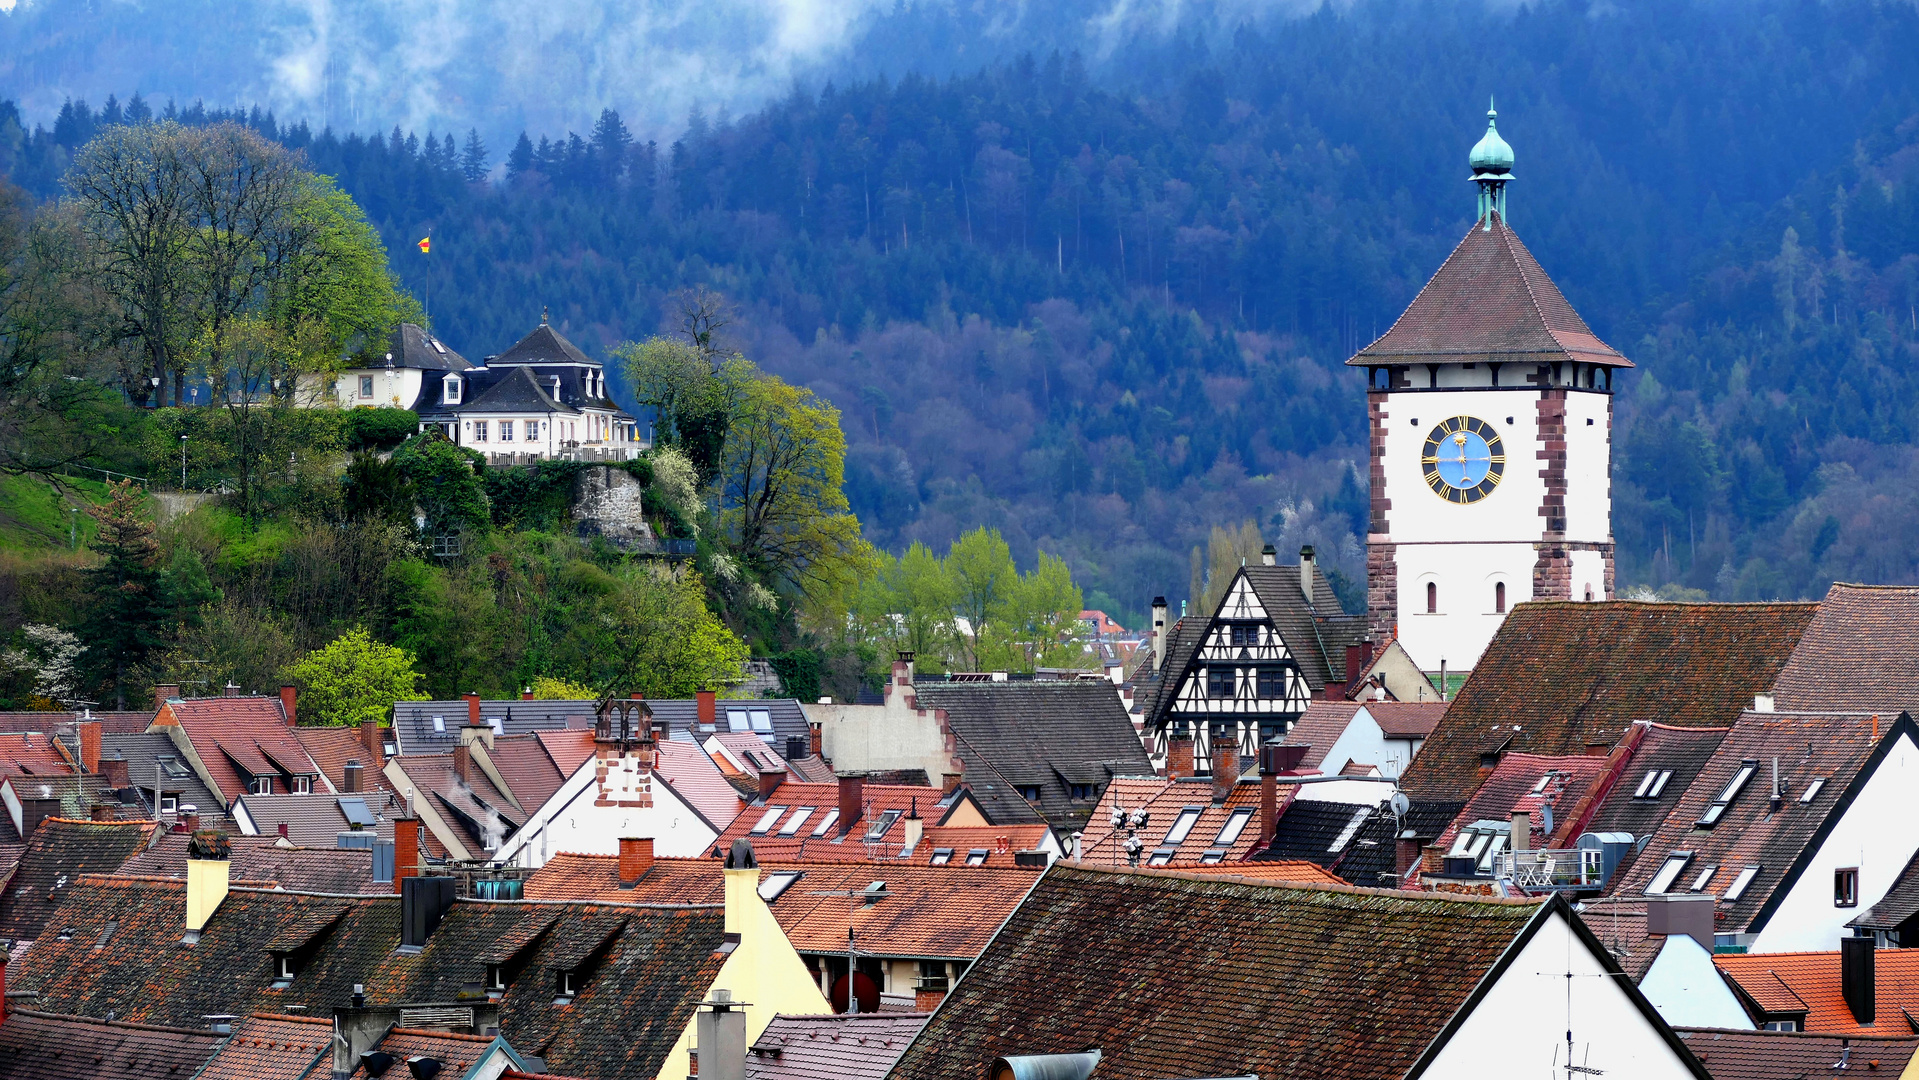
x=1584 y=1066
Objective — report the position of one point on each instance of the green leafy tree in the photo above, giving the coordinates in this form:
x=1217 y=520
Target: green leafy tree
x=908 y=604
x=446 y=481
x=1037 y=624
x=665 y=643
x=980 y=567
x=354 y=679
x=549 y=688
x=692 y=393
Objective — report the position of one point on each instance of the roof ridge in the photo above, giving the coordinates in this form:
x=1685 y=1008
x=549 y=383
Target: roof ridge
x=18 y=1011
x=1403 y=895
x=317 y=1020
x=1504 y=236
x=1414 y=302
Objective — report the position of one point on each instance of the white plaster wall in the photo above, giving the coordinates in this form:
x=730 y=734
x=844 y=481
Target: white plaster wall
x=1511 y=512
x=1588 y=571
x=1688 y=990
x=1588 y=502
x=1878 y=834
x=397 y=394
x=570 y=822
x=1519 y=1026
x=1465 y=574
x=1364 y=742
x=865 y=738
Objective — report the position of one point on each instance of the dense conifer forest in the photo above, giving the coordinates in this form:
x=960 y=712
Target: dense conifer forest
x=1101 y=304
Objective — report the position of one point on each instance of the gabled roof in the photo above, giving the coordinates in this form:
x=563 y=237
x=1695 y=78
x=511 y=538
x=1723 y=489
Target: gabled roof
x=1170 y=976
x=695 y=778
x=1860 y=653
x=1515 y=786
x=1900 y=903
x=316 y=820
x=125 y=956
x=332 y=747
x=1165 y=802
x=262 y=860
x=1836 y=748
x=1490 y=301
x=413 y=347
x=1316 y=633
x=31 y=754
x=1406 y=719
x=57 y=854
x=1682 y=752
x=544 y=345
x=1781 y=1055
x=1152 y=690
x=1353 y=841
x=472 y=804
x=152 y=758
x=517 y=391
x=1319 y=727
x=1048 y=735
x=1789 y=982
x=234 y=733
x=846 y=1047
x=802 y=846
x=52 y=1046
x=527 y=768
x=413 y=721
x=1571 y=675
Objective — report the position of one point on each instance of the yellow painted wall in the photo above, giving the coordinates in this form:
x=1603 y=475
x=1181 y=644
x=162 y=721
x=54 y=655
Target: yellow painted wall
x=966 y=813
x=765 y=971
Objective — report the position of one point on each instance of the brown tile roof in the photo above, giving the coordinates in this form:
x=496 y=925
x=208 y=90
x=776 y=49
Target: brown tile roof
x=1860 y=653
x=695 y=778
x=1000 y=843
x=1164 y=801
x=1789 y=982
x=230 y=734
x=1511 y=788
x=30 y=754
x=1294 y=871
x=1490 y=301
x=111 y=722
x=859 y=1047
x=1319 y=727
x=1900 y=903
x=1779 y=1055
x=931 y=803
x=931 y=912
x=272 y=1047
x=1837 y=748
x=569 y=749
x=468 y=804
x=1570 y=675
x=1316 y=634
x=332 y=747
x=57 y=854
x=49 y=1046
x=1619 y=922
x=457 y=1052
x=1683 y=752
x=262 y=859
x=1148 y=968
x=1406 y=719
x=527 y=769
x=125 y=956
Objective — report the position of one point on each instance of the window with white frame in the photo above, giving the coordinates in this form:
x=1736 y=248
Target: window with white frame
x=450 y=390
x=366 y=386
x=532 y=430
x=169 y=803
x=1739 y=884
x=1812 y=791
x=1183 y=824
x=506 y=431
x=1727 y=794
x=1668 y=872
x=479 y=431
x=260 y=785
x=303 y=785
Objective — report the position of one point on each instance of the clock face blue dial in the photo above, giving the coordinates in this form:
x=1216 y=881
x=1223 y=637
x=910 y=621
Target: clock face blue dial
x=1463 y=459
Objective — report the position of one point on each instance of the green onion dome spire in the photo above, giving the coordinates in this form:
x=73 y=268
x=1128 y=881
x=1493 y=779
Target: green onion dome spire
x=1492 y=154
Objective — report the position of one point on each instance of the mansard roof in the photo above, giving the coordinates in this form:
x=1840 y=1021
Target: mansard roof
x=518 y=392
x=543 y=346
x=1490 y=301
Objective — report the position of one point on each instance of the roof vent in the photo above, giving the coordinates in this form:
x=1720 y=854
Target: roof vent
x=377 y=1063
x=423 y=1068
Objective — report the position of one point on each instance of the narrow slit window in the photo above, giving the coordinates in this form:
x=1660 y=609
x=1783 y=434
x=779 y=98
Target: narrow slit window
x=1700 y=880
x=1432 y=598
x=1812 y=791
x=1499 y=597
x=1739 y=884
x=1668 y=872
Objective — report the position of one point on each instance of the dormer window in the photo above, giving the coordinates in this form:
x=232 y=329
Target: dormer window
x=450 y=390
x=496 y=978
x=260 y=785
x=303 y=785
x=284 y=969
x=568 y=986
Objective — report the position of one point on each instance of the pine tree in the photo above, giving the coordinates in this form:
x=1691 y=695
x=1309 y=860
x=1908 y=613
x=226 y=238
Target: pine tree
x=138 y=111
x=611 y=141
x=128 y=610
x=521 y=159
x=473 y=159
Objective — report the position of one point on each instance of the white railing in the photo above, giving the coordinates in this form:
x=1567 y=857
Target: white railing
x=1550 y=869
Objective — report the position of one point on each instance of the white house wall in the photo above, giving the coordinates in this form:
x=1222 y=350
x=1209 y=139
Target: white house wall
x=1588 y=482
x=1363 y=741
x=1878 y=834
x=1518 y=1026
x=1687 y=989
x=569 y=821
x=1466 y=575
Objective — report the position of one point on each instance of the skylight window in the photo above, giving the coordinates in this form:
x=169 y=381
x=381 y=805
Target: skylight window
x=1739 y=884
x=1543 y=781
x=761 y=720
x=1212 y=858
x=1360 y=814
x=884 y=823
x=439 y=724
x=1812 y=791
x=832 y=818
x=1704 y=876
x=767 y=819
x=976 y=857
x=356 y=812
x=1235 y=824
x=793 y=824
x=1668 y=872
x=942 y=856
x=1161 y=857
x=498 y=725
x=736 y=720
x=776 y=883
x=1652 y=783
x=1183 y=824
x=1718 y=808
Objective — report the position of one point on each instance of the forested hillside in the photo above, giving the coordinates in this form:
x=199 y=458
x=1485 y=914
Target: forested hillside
x=1102 y=306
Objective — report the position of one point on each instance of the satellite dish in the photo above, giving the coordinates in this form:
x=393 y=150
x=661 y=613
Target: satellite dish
x=1400 y=804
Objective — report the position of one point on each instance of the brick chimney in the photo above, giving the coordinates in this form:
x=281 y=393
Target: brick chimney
x=472 y=708
x=87 y=734
x=1179 y=755
x=526 y=694
x=3 y=986
x=352 y=776
x=770 y=781
x=902 y=673
x=189 y=824
x=375 y=746
x=463 y=761
x=162 y=693
x=1225 y=766
x=113 y=774
x=816 y=739
x=852 y=800
x=1358 y=655
x=708 y=703
x=636 y=858
x=101 y=812
x=406 y=850
x=1406 y=852
x=950 y=782
x=233 y=689
x=289 y=700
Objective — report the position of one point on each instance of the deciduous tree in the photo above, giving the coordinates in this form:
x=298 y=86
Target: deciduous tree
x=354 y=680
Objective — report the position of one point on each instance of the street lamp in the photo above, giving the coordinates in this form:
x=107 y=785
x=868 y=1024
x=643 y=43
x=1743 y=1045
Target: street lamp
x=183 y=463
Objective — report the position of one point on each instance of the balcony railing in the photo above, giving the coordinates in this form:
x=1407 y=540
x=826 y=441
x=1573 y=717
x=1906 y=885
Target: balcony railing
x=1551 y=870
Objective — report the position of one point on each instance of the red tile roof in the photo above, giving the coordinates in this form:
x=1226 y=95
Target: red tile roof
x=1860 y=653
x=51 y=1046
x=695 y=778
x=1510 y=789
x=57 y=854
x=876 y=800
x=251 y=731
x=1490 y=301
x=1319 y=727
x=1164 y=801
x=332 y=747
x=1789 y=982
x=269 y=1047
x=1406 y=719
x=29 y=754
x=569 y=749
x=111 y=722
x=1559 y=677
x=527 y=768
x=858 y=1047
x=465 y=804
x=1779 y=1055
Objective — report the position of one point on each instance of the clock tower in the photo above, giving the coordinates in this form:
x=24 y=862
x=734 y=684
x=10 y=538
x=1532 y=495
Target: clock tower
x=1490 y=407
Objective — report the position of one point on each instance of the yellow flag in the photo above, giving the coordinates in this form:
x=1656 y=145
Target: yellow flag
x=426 y=245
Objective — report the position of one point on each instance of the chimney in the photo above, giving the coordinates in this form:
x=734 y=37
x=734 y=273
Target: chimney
x=280 y=830
x=35 y=811
x=424 y=901
x=852 y=799
x=1306 y=572
x=1159 y=631
x=208 y=855
x=189 y=822
x=233 y=689
x=770 y=781
x=87 y=734
x=636 y=858
x=463 y=761
x=1359 y=655
x=1269 y=556
x=1268 y=807
x=795 y=747
x=472 y=708
x=163 y=693
x=1762 y=703
x=708 y=706
x=1405 y=853
x=950 y=782
x=1856 y=977
x=289 y=700
x=1179 y=755
x=113 y=774
x=1225 y=765
x=100 y=812
x=816 y=739
x=902 y=672
x=526 y=694
x=1522 y=834
x=350 y=781
x=3 y=986
x=915 y=828
x=375 y=746
x=1674 y=914
x=406 y=850
x=721 y=1033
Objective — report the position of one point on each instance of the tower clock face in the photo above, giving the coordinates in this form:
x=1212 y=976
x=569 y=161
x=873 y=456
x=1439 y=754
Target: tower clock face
x=1464 y=459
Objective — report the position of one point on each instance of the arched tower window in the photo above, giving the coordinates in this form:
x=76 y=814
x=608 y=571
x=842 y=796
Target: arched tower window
x=1499 y=597
x=1432 y=598
x=1589 y=594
